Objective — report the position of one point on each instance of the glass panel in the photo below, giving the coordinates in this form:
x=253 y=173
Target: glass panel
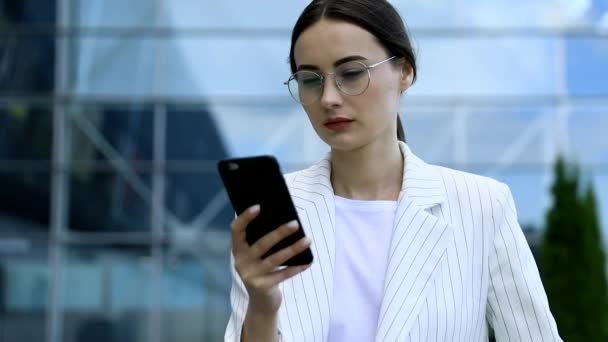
x=27 y=60
x=27 y=12
x=23 y=290
x=505 y=136
x=485 y=67
x=233 y=14
x=26 y=133
x=497 y=14
x=215 y=67
x=587 y=66
x=283 y=131
x=115 y=13
x=430 y=133
x=107 y=294
x=27 y=64
x=25 y=205
x=112 y=132
x=196 y=294
x=587 y=129
x=105 y=199
x=197 y=198
x=115 y=66
x=193 y=135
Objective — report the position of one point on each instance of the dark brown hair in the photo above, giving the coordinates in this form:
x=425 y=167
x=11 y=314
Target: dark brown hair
x=378 y=17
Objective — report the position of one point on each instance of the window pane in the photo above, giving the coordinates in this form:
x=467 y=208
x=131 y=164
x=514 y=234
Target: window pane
x=26 y=133
x=587 y=66
x=281 y=130
x=109 y=199
x=27 y=208
x=27 y=12
x=27 y=64
x=233 y=14
x=112 y=132
x=23 y=291
x=500 y=136
x=115 y=13
x=107 y=294
x=197 y=198
x=193 y=134
x=196 y=293
x=588 y=125
x=27 y=59
x=115 y=66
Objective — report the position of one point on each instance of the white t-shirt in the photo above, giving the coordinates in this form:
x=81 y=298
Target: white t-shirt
x=363 y=236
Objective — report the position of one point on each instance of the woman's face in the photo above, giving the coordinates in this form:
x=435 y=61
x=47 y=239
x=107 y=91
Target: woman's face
x=320 y=48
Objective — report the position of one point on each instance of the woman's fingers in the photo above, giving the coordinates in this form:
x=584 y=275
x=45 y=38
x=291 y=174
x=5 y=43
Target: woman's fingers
x=275 y=260
x=257 y=273
x=278 y=277
x=267 y=281
x=265 y=243
x=238 y=226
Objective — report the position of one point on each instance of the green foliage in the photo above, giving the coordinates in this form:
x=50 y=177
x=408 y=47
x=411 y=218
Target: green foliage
x=573 y=260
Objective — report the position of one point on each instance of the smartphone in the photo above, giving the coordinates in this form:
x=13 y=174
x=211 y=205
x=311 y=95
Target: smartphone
x=259 y=180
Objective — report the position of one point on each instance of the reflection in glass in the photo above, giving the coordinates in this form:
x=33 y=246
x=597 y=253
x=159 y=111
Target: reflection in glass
x=106 y=294
x=26 y=132
x=109 y=200
x=23 y=296
x=102 y=132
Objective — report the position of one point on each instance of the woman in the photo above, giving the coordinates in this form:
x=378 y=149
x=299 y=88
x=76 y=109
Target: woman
x=404 y=250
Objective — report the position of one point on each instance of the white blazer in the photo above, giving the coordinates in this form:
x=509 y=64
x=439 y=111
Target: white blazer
x=458 y=263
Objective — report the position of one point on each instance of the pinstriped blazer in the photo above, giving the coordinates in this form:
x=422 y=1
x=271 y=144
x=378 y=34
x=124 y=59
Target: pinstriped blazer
x=458 y=265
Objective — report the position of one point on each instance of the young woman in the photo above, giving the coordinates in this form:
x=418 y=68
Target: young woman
x=404 y=250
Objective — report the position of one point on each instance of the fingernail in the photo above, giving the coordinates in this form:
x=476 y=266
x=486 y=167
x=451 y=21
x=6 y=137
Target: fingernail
x=292 y=224
x=254 y=209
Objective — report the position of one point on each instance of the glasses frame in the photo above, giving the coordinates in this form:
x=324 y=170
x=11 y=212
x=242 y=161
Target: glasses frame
x=323 y=75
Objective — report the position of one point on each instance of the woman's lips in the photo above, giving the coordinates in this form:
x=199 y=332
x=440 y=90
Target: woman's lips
x=338 y=125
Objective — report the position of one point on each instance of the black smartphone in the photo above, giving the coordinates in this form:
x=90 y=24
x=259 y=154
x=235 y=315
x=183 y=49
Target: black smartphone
x=258 y=180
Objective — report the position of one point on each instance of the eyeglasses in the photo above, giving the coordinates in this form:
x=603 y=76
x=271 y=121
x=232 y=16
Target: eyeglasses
x=352 y=79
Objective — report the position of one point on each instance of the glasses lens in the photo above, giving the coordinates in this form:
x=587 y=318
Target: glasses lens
x=305 y=86
x=352 y=78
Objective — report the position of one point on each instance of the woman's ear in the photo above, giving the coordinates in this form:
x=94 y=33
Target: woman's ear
x=407 y=77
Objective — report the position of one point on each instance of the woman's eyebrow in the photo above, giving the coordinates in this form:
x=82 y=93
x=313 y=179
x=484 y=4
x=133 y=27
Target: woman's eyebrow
x=336 y=63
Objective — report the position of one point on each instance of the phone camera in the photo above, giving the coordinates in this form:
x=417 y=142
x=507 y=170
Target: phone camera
x=233 y=166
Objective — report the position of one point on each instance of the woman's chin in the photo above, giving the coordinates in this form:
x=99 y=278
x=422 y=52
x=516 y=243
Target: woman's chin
x=342 y=142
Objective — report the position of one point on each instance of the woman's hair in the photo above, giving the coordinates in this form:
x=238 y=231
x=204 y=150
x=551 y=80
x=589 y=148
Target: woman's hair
x=378 y=17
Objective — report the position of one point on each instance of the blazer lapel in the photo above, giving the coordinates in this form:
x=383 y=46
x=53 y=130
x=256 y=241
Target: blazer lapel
x=418 y=244
x=307 y=312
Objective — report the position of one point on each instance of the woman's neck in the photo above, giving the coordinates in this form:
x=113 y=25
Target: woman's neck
x=372 y=172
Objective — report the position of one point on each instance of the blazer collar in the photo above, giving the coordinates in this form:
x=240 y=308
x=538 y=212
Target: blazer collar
x=421 y=183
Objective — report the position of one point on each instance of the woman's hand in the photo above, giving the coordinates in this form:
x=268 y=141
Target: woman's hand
x=262 y=276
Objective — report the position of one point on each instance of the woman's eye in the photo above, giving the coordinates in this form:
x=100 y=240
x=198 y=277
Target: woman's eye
x=351 y=74
x=310 y=81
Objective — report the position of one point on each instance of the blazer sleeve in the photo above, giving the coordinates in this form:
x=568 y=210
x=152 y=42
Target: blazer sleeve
x=239 y=300
x=238 y=305
x=517 y=306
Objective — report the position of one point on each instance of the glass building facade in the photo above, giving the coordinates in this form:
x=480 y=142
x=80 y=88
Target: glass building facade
x=113 y=222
